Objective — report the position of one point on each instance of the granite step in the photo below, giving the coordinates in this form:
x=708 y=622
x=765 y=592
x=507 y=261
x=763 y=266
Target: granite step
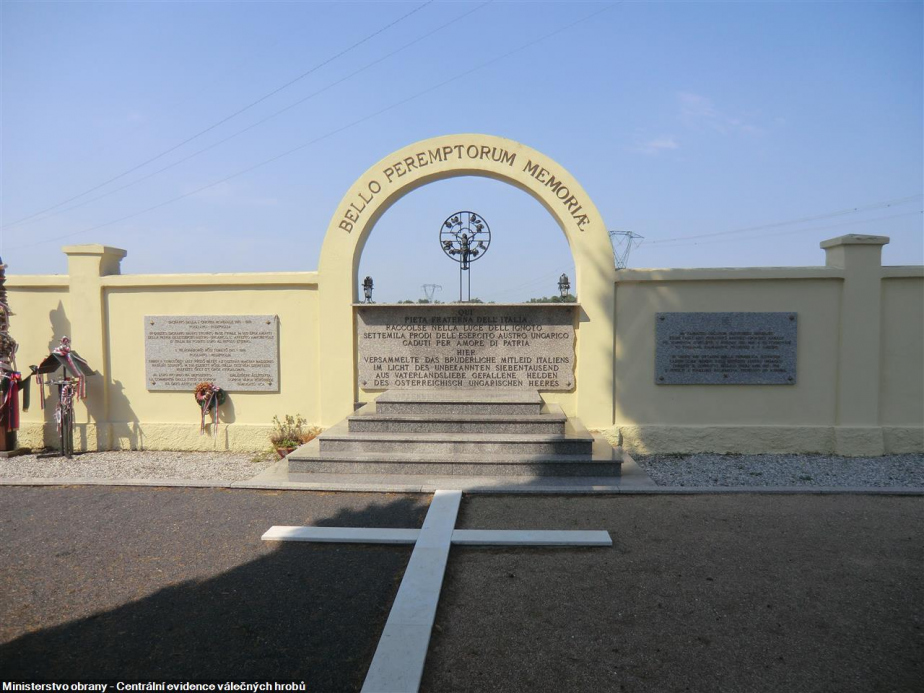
x=340 y=439
x=368 y=420
x=459 y=402
x=461 y=433
x=604 y=460
x=457 y=443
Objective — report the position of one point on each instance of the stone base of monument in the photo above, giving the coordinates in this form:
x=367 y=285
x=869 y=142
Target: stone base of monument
x=459 y=433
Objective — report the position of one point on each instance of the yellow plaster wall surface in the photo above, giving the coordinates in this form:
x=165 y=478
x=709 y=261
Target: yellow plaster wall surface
x=162 y=420
x=120 y=412
x=858 y=323
x=40 y=305
x=736 y=418
x=729 y=438
x=639 y=401
x=902 y=384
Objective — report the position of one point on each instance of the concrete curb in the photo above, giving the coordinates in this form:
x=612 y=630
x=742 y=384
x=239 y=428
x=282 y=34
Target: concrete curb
x=361 y=487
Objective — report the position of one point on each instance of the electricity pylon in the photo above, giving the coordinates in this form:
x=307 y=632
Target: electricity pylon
x=430 y=290
x=623 y=242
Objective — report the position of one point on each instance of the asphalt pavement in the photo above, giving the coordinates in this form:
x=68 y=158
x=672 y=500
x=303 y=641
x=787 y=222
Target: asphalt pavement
x=740 y=593
x=103 y=583
x=699 y=593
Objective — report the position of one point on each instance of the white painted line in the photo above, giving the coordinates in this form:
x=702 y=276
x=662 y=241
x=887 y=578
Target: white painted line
x=398 y=663
x=530 y=537
x=344 y=535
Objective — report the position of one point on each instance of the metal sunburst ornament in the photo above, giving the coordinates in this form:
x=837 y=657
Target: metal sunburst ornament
x=465 y=237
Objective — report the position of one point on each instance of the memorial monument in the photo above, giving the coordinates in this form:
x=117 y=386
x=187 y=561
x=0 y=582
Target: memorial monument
x=460 y=386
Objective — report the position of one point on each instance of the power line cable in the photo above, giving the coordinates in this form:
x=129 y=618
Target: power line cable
x=354 y=123
x=789 y=233
x=535 y=281
x=828 y=215
x=229 y=117
x=430 y=33
x=545 y=277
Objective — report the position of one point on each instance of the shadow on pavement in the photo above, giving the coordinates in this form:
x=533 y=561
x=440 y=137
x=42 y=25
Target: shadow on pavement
x=304 y=612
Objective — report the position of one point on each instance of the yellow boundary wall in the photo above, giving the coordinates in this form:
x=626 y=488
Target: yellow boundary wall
x=860 y=354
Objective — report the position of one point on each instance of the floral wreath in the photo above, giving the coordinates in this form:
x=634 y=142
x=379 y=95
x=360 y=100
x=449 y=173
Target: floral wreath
x=209 y=397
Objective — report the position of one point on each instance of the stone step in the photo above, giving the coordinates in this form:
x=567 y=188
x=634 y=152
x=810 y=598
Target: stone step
x=604 y=461
x=458 y=444
x=369 y=420
x=459 y=402
x=340 y=439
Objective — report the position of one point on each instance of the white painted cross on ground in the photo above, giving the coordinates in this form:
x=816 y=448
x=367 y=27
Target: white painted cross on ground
x=398 y=663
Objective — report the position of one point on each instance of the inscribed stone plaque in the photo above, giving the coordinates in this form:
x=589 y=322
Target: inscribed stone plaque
x=239 y=353
x=725 y=348
x=477 y=346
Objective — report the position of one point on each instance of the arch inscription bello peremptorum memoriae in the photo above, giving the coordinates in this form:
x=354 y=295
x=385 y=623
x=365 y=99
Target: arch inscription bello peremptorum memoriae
x=810 y=359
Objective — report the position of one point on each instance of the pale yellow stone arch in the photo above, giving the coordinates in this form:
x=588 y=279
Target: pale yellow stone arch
x=469 y=155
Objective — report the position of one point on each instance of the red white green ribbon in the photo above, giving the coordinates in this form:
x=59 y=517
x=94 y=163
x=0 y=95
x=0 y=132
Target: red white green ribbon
x=9 y=409
x=64 y=350
x=208 y=402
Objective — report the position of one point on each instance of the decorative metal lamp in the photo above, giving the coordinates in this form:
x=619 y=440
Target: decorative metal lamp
x=367 y=289
x=564 y=285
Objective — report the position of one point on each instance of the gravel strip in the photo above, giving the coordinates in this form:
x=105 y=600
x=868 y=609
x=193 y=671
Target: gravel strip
x=133 y=464
x=702 y=470
x=889 y=471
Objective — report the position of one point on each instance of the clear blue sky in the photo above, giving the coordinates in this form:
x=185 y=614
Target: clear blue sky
x=679 y=119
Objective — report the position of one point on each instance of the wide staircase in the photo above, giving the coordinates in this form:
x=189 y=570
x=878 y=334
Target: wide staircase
x=459 y=433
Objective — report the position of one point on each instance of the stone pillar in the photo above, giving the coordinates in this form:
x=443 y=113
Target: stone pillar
x=87 y=264
x=857 y=428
